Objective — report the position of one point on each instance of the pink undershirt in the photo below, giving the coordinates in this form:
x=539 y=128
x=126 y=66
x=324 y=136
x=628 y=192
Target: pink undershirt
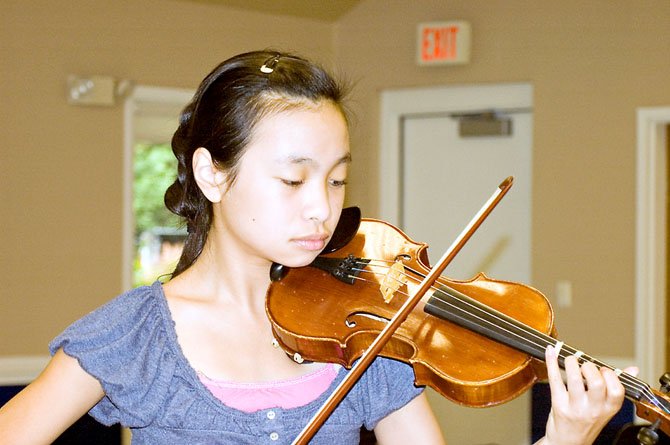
x=290 y=393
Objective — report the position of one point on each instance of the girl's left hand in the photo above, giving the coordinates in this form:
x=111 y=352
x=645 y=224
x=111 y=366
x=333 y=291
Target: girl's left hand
x=580 y=408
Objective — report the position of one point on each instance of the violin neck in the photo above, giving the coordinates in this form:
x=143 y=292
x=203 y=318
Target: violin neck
x=456 y=307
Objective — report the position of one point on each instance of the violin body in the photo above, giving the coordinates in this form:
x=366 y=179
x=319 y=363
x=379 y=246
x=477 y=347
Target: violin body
x=325 y=319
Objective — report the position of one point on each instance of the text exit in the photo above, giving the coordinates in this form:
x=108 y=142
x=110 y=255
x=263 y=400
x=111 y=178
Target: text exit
x=443 y=43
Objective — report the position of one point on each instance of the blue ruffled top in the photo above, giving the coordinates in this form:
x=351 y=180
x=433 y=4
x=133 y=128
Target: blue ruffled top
x=130 y=346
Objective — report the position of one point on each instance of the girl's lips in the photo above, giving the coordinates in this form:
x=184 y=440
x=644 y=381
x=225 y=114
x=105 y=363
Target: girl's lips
x=312 y=243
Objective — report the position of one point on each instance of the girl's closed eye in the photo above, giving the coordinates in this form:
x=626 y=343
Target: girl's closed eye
x=292 y=182
x=296 y=183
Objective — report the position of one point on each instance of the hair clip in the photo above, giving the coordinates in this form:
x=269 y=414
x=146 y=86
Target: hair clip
x=269 y=65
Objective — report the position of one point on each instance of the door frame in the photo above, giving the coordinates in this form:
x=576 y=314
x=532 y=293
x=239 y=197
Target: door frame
x=398 y=105
x=650 y=241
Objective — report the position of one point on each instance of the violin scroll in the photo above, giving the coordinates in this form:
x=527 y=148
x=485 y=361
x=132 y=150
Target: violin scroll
x=658 y=414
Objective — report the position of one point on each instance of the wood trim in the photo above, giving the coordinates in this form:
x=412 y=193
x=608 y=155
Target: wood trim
x=650 y=243
x=21 y=370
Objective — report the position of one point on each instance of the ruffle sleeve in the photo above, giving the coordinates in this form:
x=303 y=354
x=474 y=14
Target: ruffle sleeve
x=124 y=345
x=386 y=386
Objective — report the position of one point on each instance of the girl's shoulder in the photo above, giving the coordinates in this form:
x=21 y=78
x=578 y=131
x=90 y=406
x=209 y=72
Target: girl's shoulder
x=128 y=346
x=136 y=310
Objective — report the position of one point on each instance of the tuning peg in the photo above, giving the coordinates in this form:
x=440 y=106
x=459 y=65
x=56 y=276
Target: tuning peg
x=648 y=435
x=665 y=382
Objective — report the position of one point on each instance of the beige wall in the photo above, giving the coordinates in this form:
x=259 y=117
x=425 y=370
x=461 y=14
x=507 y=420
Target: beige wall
x=591 y=64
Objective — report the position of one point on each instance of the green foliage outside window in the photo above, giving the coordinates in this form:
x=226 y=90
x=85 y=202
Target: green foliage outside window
x=158 y=232
x=155 y=168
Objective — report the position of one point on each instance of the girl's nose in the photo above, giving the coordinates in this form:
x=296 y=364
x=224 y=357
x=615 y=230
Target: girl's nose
x=317 y=207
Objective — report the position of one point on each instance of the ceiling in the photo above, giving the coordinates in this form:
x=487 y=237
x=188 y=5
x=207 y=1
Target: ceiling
x=329 y=10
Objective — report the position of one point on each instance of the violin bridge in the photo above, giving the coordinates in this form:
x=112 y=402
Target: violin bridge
x=392 y=281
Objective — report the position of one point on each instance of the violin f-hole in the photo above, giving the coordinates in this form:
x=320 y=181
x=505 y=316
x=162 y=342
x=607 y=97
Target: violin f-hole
x=351 y=323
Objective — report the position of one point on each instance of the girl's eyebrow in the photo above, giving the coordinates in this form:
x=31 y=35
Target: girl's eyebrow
x=346 y=159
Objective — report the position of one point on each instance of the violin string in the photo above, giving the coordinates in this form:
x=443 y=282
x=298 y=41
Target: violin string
x=533 y=337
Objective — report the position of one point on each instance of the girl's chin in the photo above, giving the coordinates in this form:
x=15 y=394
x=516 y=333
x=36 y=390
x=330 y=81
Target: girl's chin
x=303 y=260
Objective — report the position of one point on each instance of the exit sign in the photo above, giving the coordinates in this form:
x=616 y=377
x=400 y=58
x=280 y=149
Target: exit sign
x=443 y=43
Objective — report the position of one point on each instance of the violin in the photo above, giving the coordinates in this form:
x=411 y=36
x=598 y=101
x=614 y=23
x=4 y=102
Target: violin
x=478 y=342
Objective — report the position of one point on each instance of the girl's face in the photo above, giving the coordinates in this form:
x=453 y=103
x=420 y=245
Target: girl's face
x=288 y=194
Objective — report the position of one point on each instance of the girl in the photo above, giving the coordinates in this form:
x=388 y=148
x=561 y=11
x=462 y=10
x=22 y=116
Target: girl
x=263 y=151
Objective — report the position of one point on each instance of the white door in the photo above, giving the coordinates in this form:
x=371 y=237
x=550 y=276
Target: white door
x=446 y=178
x=433 y=183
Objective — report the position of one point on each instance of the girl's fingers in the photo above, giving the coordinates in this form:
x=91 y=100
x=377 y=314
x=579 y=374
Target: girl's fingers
x=574 y=378
x=585 y=384
x=614 y=388
x=632 y=370
x=559 y=395
x=596 y=382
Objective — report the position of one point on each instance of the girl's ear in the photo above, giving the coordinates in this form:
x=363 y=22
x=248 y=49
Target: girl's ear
x=209 y=178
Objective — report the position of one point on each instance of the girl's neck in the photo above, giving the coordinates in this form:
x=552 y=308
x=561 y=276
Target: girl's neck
x=217 y=276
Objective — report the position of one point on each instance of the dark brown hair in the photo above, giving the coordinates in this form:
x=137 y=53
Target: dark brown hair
x=222 y=116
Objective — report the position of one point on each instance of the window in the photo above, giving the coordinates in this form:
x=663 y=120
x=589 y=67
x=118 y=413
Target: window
x=158 y=237
x=153 y=236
